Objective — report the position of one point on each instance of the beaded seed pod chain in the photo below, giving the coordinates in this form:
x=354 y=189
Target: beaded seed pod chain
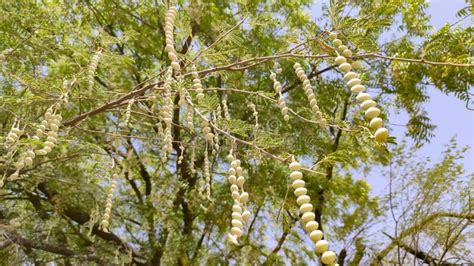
x=355 y=85
x=307 y=215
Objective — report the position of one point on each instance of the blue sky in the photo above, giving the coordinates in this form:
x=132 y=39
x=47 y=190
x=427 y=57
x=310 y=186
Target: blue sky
x=447 y=112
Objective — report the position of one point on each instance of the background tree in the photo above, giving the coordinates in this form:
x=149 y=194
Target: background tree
x=102 y=66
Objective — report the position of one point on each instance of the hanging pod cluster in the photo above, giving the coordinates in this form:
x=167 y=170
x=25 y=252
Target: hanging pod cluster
x=281 y=100
x=197 y=86
x=92 y=68
x=309 y=93
x=169 y=25
x=355 y=85
x=240 y=214
x=104 y=224
x=307 y=215
x=48 y=128
x=13 y=136
x=167 y=115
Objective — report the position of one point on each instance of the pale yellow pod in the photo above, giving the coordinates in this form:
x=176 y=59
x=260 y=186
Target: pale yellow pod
x=308 y=216
x=236 y=231
x=353 y=82
x=235 y=195
x=376 y=123
x=303 y=199
x=381 y=134
x=316 y=235
x=311 y=226
x=245 y=215
x=336 y=43
x=237 y=223
x=297 y=184
x=307 y=207
x=358 y=88
x=345 y=67
x=236 y=208
x=372 y=112
x=347 y=53
x=340 y=60
x=295 y=166
x=328 y=257
x=321 y=246
x=295 y=175
x=333 y=35
x=300 y=191
x=236 y=216
x=362 y=96
x=244 y=197
x=232 y=179
x=240 y=181
x=367 y=104
x=350 y=75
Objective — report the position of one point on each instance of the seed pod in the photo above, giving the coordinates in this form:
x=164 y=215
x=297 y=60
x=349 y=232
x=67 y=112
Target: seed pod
x=367 y=104
x=381 y=134
x=231 y=171
x=54 y=127
x=307 y=207
x=245 y=215
x=236 y=231
x=240 y=181
x=316 y=235
x=345 y=67
x=300 y=191
x=376 y=123
x=237 y=223
x=341 y=48
x=297 y=184
x=350 y=75
x=234 y=164
x=308 y=216
x=358 y=88
x=295 y=166
x=333 y=35
x=328 y=257
x=362 y=96
x=239 y=170
x=353 y=82
x=244 y=197
x=235 y=195
x=232 y=179
x=286 y=117
x=49 y=144
x=311 y=226
x=372 y=112
x=236 y=208
x=296 y=175
x=41 y=152
x=321 y=246
x=234 y=187
x=347 y=53
x=30 y=154
x=237 y=216
x=175 y=66
x=303 y=199
x=336 y=43
x=340 y=60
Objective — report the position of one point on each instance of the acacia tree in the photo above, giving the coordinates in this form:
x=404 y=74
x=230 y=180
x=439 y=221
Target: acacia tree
x=125 y=123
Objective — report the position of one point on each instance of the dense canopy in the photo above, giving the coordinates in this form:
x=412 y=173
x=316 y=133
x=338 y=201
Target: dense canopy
x=228 y=132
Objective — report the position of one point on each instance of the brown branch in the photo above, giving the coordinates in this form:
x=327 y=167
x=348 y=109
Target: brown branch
x=416 y=253
x=382 y=254
x=411 y=60
x=16 y=238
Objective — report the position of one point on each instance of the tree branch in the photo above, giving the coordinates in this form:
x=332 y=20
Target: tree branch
x=16 y=238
